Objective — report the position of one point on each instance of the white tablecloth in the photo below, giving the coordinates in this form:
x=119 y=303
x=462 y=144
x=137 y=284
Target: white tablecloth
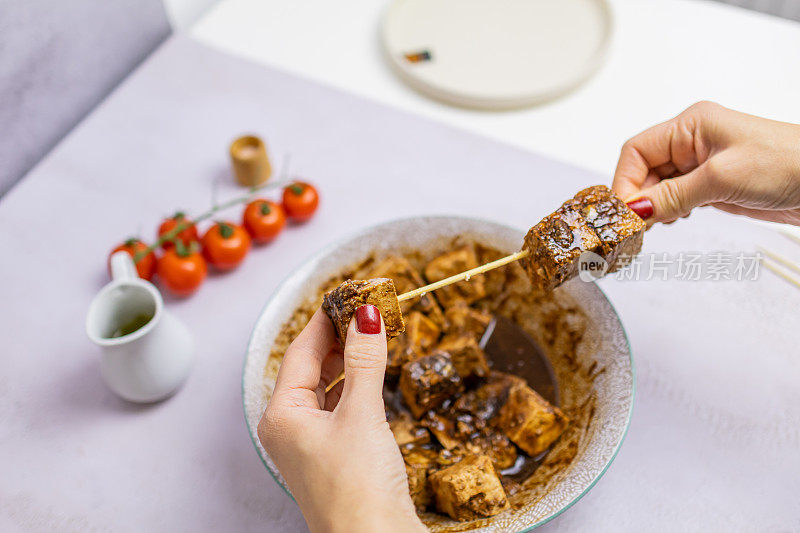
x=715 y=437
x=664 y=55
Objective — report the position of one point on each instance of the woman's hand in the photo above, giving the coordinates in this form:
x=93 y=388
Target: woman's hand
x=711 y=155
x=336 y=450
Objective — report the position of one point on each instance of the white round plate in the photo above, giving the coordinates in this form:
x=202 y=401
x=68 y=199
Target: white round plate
x=496 y=54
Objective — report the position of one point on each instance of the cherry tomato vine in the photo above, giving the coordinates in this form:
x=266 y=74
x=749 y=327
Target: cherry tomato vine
x=183 y=265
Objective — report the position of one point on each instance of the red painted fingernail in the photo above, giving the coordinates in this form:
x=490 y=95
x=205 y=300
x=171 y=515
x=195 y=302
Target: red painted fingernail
x=642 y=207
x=368 y=319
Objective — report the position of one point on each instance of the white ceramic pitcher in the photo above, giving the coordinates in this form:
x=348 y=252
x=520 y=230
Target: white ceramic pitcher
x=150 y=363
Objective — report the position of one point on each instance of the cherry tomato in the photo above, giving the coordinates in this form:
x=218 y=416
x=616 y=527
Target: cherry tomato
x=187 y=235
x=263 y=220
x=146 y=266
x=225 y=245
x=300 y=201
x=182 y=270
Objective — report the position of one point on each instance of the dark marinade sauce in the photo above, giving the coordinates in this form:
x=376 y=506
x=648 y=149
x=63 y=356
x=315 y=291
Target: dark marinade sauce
x=511 y=350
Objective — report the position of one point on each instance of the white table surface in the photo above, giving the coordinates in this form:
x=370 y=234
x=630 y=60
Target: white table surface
x=714 y=439
x=664 y=55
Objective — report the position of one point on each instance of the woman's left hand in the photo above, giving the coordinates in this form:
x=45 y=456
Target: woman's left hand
x=336 y=450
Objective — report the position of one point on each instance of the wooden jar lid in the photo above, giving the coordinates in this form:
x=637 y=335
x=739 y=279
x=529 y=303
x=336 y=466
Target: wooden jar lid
x=250 y=162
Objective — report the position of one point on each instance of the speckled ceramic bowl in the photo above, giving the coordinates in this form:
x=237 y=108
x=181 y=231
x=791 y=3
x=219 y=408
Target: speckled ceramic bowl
x=602 y=352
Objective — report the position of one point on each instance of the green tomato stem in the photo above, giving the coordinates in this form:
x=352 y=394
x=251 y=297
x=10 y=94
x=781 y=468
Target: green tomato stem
x=171 y=235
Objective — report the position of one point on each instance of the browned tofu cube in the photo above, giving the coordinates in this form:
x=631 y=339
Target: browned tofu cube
x=463 y=434
x=465 y=320
x=341 y=303
x=453 y=263
x=408 y=431
x=447 y=457
x=529 y=420
x=495 y=445
x=419 y=338
x=407 y=278
x=399 y=270
x=443 y=428
x=467 y=356
x=419 y=461
x=618 y=227
x=418 y=487
x=418 y=456
x=556 y=243
x=484 y=402
x=429 y=381
x=469 y=489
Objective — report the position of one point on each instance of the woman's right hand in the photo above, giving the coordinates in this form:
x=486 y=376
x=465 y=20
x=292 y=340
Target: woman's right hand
x=711 y=155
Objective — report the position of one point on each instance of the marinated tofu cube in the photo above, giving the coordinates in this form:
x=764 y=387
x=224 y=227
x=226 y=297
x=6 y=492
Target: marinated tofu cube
x=418 y=487
x=429 y=381
x=495 y=445
x=447 y=457
x=419 y=338
x=419 y=462
x=443 y=428
x=341 y=303
x=420 y=457
x=463 y=434
x=484 y=402
x=467 y=356
x=618 y=227
x=555 y=244
x=407 y=278
x=530 y=421
x=453 y=263
x=465 y=320
x=407 y=431
x=399 y=270
x=469 y=489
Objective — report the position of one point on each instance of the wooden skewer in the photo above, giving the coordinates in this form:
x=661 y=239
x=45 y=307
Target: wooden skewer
x=464 y=276
x=790 y=235
x=777 y=271
x=780 y=259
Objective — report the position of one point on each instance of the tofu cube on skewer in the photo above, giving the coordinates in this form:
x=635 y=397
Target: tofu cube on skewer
x=341 y=303
x=594 y=220
x=556 y=244
x=619 y=228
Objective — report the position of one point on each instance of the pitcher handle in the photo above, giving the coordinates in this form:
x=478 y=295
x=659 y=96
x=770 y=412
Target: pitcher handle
x=122 y=266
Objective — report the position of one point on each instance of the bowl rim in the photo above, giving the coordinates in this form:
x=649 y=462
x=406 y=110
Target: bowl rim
x=356 y=233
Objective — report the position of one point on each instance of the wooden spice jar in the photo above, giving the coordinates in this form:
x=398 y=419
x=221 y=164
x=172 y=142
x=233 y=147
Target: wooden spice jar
x=250 y=162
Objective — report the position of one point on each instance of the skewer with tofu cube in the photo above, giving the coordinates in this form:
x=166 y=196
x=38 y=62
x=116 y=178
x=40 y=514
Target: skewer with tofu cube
x=342 y=302
x=594 y=220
